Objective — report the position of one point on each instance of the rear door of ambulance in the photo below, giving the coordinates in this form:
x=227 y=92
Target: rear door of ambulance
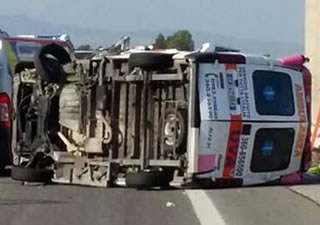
x=253 y=120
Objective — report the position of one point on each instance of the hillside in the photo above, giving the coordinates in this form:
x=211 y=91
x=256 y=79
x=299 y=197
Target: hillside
x=103 y=37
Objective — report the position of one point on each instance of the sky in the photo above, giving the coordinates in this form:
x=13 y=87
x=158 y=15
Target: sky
x=274 y=27
x=279 y=20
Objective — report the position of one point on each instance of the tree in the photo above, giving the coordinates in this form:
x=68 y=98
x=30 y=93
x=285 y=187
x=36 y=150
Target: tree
x=181 y=40
x=84 y=47
x=160 y=42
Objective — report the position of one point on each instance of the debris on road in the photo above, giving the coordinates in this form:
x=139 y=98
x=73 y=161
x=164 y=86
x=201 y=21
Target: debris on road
x=170 y=205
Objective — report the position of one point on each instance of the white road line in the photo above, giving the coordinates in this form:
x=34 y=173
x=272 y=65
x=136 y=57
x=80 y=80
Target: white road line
x=204 y=208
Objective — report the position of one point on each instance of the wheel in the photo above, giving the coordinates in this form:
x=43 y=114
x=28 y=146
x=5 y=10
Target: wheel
x=151 y=60
x=147 y=179
x=174 y=130
x=31 y=174
x=49 y=60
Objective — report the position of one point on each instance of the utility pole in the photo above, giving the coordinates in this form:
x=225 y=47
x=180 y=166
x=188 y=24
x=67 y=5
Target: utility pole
x=312 y=50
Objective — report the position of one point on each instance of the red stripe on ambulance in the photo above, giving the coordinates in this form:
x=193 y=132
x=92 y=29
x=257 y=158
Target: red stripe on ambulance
x=231 y=66
x=302 y=117
x=232 y=146
x=34 y=40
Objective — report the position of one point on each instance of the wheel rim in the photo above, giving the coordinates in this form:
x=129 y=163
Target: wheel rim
x=172 y=130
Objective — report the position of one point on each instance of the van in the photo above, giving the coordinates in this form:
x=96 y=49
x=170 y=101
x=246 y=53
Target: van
x=8 y=61
x=148 y=118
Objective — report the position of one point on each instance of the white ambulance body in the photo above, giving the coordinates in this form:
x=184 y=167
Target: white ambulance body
x=251 y=121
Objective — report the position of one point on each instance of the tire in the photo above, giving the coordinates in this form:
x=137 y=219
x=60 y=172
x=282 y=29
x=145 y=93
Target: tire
x=49 y=60
x=144 y=179
x=181 y=139
x=31 y=174
x=151 y=61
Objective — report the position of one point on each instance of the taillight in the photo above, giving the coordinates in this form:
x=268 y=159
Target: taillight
x=4 y=110
x=223 y=58
x=232 y=59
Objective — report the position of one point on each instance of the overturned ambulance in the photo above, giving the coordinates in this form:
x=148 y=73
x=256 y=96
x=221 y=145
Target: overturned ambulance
x=151 y=118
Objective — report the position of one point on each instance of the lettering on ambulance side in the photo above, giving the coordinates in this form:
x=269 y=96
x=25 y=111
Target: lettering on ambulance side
x=231 y=69
x=218 y=78
x=210 y=137
x=219 y=162
x=244 y=93
x=211 y=92
x=232 y=146
x=302 y=117
x=231 y=92
x=244 y=142
x=213 y=82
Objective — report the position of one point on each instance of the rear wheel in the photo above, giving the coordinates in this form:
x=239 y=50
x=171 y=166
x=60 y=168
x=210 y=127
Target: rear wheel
x=147 y=179
x=31 y=174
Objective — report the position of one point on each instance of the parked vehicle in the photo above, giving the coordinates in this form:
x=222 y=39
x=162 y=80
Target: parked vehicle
x=8 y=62
x=152 y=117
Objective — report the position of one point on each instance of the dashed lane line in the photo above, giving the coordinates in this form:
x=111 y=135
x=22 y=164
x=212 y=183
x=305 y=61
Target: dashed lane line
x=204 y=208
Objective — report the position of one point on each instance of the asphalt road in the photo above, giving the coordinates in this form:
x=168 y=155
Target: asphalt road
x=72 y=205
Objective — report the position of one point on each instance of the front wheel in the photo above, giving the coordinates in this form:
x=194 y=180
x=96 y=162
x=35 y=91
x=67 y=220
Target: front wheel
x=31 y=174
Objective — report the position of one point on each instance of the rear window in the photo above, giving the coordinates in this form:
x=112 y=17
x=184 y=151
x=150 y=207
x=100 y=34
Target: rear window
x=273 y=93
x=272 y=149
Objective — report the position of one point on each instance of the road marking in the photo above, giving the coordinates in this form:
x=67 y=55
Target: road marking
x=204 y=208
